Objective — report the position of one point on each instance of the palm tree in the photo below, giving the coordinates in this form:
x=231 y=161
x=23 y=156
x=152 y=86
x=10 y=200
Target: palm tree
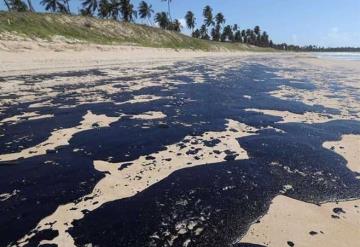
x=208 y=16
x=168 y=2
x=145 y=11
x=7 y=5
x=56 y=6
x=127 y=10
x=196 y=34
x=190 y=20
x=264 y=40
x=215 y=33
x=257 y=30
x=227 y=34
x=31 y=8
x=219 y=19
x=51 y=5
x=252 y=37
x=90 y=6
x=104 y=9
x=109 y=9
x=176 y=26
x=243 y=36
x=235 y=27
x=237 y=35
x=203 y=32
x=162 y=20
x=66 y=4
x=114 y=9
x=257 y=38
x=248 y=35
x=18 y=5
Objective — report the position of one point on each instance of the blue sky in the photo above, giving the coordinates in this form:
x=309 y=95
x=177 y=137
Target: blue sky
x=303 y=22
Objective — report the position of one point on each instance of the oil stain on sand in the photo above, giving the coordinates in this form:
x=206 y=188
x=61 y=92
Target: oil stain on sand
x=176 y=155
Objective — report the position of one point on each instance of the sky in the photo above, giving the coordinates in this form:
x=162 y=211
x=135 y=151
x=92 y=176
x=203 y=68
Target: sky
x=329 y=23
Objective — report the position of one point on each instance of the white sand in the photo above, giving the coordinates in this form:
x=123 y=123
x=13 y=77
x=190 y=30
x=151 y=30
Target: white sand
x=293 y=220
x=25 y=116
x=349 y=148
x=307 y=117
x=150 y=115
x=32 y=57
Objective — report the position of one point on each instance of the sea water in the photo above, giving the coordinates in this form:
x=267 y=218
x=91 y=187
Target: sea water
x=349 y=56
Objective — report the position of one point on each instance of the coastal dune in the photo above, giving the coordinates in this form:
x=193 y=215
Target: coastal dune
x=30 y=57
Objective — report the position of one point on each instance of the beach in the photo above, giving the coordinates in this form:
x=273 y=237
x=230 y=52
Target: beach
x=159 y=147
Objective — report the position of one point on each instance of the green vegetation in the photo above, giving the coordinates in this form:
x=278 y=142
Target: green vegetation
x=145 y=11
x=99 y=31
x=115 y=24
x=214 y=32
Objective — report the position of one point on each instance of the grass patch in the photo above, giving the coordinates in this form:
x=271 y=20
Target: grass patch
x=92 y=30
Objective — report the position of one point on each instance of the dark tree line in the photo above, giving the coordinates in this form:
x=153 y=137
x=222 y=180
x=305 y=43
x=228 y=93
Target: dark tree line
x=313 y=48
x=214 y=28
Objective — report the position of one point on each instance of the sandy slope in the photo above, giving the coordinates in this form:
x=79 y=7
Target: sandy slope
x=27 y=57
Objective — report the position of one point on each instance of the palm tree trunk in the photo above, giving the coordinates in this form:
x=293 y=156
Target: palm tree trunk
x=169 y=10
x=30 y=6
x=67 y=6
x=7 y=5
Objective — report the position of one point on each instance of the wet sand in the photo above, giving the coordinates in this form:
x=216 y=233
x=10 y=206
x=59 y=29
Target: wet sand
x=104 y=90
